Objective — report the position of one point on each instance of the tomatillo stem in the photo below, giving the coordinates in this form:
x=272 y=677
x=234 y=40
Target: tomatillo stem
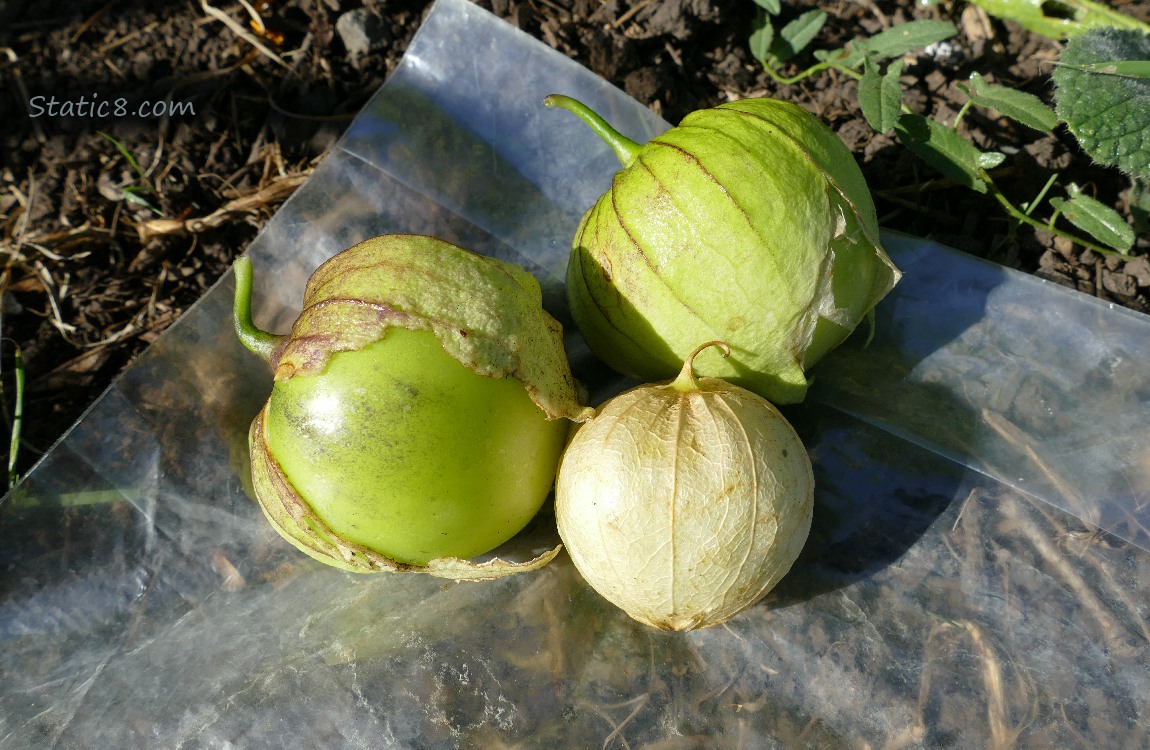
x=625 y=148
x=686 y=380
x=258 y=341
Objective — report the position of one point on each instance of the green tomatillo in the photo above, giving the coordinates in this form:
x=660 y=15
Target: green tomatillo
x=420 y=405
x=749 y=222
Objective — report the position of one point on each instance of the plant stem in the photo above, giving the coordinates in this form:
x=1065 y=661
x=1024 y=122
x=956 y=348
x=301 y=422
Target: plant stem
x=625 y=149
x=686 y=380
x=259 y=342
x=961 y=113
x=17 y=419
x=1041 y=194
x=813 y=70
x=1024 y=218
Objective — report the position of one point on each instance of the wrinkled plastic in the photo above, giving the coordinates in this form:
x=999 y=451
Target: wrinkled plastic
x=977 y=573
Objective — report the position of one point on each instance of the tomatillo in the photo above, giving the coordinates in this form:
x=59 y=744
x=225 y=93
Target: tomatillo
x=750 y=222
x=420 y=406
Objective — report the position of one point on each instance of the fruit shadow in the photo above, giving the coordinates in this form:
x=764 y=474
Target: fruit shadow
x=876 y=496
x=891 y=449
x=896 y=424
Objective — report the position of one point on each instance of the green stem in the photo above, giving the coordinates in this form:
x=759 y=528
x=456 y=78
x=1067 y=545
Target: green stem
x=17 y=418
x=625 y=149
x=814 y=69
x=259 y=342
x=1024 y=218
x=961 y=113
x=1041 y=194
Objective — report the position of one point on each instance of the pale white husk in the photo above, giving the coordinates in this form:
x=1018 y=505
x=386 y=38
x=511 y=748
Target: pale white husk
x=683 y=507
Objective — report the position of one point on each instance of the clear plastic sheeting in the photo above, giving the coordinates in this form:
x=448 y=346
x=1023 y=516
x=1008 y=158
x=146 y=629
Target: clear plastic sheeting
x=977 y=574
x=1038 y=386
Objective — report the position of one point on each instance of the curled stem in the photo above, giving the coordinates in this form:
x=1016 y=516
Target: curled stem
x=625 y=149
x=257 y=341
x=686 y=380
x=811 y=71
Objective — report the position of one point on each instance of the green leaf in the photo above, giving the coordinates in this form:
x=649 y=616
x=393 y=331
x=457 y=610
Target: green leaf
x=797 y=34
x=1095 y=218
x=132 y=195
x=880 y=96
x=894 y=42
x=1109 y=114
x=774 y=7
x=125 y=153
x=1140 y=205
x=1059 y=19
x=903 y=38
x=1127 y=68
x=842 y=55
x=1030 y=16
x=1026 y=108
x=762 y=36
x=947 y=151
x=990 y=159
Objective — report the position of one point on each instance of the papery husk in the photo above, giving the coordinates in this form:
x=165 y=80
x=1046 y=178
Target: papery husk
x=486 y=313
x=685 y=506
x=749 y=222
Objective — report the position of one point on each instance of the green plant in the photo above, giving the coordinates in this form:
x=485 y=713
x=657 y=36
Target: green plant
x=1103 y=96
x=134 y=193
x=876 y=62
x=1059 y=19
x=15 y=418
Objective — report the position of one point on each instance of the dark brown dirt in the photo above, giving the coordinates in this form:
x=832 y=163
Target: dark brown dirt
x=99 y=258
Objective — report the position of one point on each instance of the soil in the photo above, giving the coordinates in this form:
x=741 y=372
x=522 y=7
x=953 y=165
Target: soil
x=112 y=225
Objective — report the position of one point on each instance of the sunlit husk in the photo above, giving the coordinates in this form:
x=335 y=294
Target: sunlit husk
x=749 y=222
x=683 y=508
x=485 y=313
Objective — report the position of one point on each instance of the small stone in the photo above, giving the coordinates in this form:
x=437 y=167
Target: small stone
x=1139 y=269
x=1064 y=246
x=360 y=31
x=1119 y=283
x=108 y=189
x=936 y=79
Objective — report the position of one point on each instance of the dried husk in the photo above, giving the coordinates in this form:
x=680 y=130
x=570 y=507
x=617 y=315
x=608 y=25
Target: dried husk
x=685 y=503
